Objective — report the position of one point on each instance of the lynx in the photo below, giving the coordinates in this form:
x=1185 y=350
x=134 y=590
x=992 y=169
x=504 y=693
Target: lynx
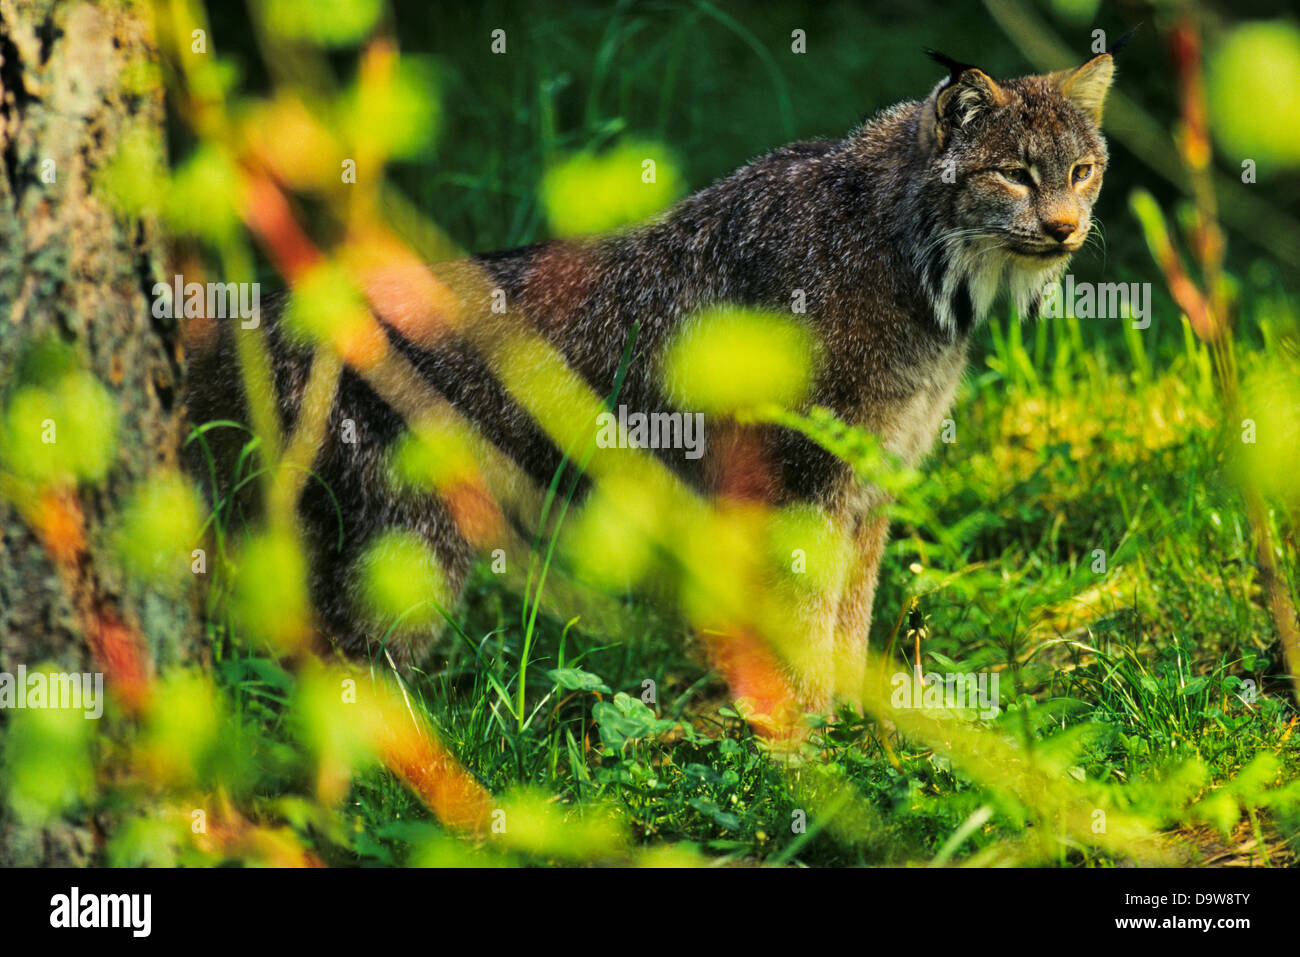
x=901 y=236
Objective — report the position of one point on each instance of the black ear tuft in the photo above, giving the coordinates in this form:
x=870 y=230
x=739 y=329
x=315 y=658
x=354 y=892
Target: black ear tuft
x=1123 y=41
x=955 y=67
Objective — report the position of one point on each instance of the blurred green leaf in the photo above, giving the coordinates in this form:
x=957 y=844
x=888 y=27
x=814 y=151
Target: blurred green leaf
x=329 y=23
x=592 y=193
x=402 y=581
x=730 y=359
x=1252 y=88
x=575 y=679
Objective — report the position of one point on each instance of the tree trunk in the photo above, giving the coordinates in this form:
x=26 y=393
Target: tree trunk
x=72 y=268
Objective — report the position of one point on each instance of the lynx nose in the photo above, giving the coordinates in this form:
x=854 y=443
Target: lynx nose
x=1061 y=229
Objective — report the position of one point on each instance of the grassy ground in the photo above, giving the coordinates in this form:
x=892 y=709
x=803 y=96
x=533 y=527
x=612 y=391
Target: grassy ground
x=1096 y=559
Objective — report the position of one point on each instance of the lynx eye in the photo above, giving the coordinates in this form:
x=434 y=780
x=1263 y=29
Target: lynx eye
x=1016 y=174
x=1082 y=172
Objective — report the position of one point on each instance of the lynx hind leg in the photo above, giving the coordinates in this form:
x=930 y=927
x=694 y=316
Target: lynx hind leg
x=417 y=530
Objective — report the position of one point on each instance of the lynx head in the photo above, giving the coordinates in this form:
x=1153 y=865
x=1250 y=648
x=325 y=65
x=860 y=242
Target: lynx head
x=1013 y=170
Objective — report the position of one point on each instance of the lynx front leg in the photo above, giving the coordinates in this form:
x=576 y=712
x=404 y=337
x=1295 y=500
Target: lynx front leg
x=822 y=658
x=853 y=618
x=827 y=661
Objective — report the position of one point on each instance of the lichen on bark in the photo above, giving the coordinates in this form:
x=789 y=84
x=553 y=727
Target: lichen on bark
x=76 y=269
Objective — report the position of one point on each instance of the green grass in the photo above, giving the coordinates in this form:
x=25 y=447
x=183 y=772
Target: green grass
x=1154 y=682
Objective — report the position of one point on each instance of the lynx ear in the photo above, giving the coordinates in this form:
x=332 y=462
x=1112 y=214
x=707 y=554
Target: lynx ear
x=957 y=102
x=1087 y=86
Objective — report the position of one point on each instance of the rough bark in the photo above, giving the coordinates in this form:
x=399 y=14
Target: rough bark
x=71 y=267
